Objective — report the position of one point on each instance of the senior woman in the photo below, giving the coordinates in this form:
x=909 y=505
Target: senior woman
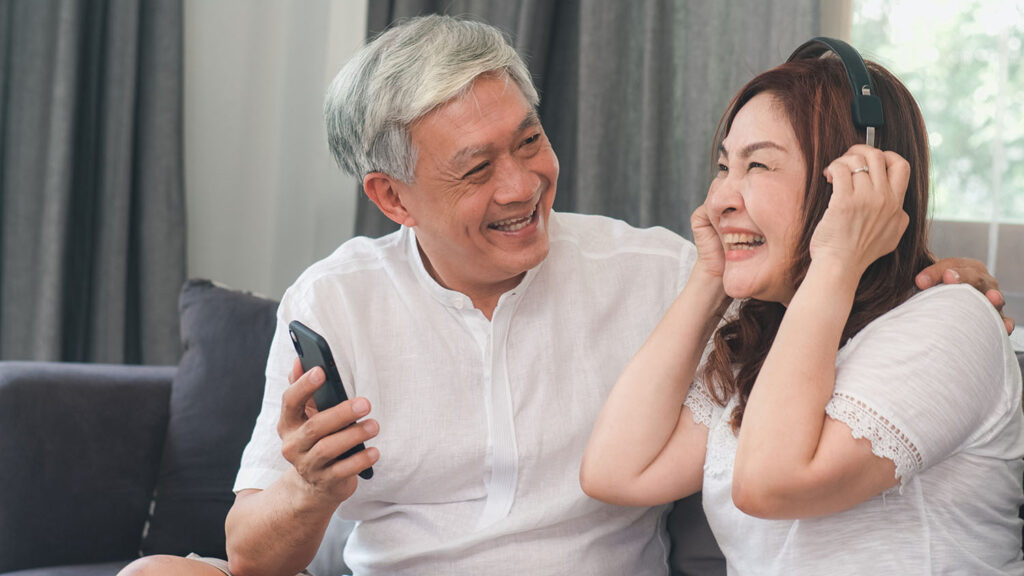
x=839 y=420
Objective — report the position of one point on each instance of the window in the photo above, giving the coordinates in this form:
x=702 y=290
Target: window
x=962 y=60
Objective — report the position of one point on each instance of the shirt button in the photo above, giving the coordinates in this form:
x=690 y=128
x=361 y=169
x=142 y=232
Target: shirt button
x=457 y=303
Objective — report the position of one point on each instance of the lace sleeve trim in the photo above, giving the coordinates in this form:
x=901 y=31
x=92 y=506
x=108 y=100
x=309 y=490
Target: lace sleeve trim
x=887 y=441
x=701 y=406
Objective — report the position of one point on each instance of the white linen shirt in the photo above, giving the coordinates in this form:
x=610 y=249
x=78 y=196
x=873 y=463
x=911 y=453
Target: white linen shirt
x=483 y=423
x=935 y=386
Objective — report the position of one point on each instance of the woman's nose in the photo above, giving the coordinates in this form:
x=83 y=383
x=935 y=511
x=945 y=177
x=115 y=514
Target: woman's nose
x=724 y=196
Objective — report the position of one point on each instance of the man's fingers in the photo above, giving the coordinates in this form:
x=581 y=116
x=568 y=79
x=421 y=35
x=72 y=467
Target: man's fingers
x=950 y=276
x=336 y=418
x=956 y=271
x=356 y=463
x=296 y=372
x=966 y=271
x=295 y=398
x=329 y=422
x=325 y=437
x=333 y=445
x=996 y=298
x=973 y=273
x=311 y=409
x=306 y=442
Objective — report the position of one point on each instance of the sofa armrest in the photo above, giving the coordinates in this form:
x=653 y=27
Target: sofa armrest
x=79 y=452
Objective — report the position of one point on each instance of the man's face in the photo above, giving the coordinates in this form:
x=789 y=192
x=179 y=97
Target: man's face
x=484 y=184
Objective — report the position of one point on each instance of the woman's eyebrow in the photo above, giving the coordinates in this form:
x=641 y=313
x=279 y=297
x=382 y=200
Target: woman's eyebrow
x=749 y=149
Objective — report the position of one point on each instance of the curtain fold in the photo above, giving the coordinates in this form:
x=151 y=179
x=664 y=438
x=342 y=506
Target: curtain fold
x=631 y=92
x=92 y=251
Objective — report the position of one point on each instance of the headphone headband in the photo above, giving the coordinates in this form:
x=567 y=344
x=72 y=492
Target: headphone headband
x=865 y=106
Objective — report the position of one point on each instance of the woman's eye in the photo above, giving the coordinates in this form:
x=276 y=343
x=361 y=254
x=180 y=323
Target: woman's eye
x=756 y=165
x=722 y=169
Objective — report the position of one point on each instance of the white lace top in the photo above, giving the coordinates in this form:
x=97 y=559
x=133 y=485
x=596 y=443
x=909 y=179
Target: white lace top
x=936 y=388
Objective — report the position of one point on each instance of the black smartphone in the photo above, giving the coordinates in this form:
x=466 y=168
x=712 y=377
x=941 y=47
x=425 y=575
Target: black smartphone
x=313 y=351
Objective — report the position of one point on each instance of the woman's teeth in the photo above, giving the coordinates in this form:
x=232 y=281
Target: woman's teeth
x=513 y=224
x=742 y=241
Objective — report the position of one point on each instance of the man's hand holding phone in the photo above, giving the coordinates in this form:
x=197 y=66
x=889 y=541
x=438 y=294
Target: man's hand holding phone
x=313 y=441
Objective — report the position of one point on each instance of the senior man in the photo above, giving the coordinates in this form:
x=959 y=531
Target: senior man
x=485 y=335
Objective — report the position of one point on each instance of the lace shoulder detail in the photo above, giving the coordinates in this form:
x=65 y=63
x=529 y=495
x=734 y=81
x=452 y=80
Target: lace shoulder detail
x=700 y=404
x=887 y=441
x=722 y=443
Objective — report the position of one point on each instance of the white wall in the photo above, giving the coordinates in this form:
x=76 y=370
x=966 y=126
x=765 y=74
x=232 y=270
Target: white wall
x=264 y=197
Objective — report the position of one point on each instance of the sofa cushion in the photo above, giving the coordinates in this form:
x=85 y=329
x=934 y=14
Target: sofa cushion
x=694 y=551
x=102 y=569
x=79 y=452
x=215 y=397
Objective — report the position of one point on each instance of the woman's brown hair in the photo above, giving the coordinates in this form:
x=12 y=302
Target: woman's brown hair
x=815 y=96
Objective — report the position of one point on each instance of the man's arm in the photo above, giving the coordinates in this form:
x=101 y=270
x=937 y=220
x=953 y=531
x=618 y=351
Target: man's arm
x=968 y=271
x=278 y=530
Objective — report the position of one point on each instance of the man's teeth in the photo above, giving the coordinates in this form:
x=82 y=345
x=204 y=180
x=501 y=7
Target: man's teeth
x=742 y=241
x=513 y=224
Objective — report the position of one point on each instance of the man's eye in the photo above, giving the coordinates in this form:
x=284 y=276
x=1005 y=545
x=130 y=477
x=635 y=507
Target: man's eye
x=531 y=139
x=477 y=169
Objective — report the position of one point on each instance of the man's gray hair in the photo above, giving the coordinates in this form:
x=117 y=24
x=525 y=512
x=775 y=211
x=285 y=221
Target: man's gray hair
x=399 y=77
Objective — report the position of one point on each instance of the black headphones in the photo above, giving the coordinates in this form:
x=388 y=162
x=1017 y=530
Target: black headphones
x=865 y=106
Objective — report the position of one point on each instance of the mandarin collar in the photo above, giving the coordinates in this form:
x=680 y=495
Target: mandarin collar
x=448 y=297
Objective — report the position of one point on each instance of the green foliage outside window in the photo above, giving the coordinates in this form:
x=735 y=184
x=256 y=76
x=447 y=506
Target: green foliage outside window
x=952 y=54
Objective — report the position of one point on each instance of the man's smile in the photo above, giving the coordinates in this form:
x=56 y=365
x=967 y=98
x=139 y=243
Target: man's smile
x=514 y=224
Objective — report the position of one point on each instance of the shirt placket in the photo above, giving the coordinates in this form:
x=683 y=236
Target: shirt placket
x=503 y=461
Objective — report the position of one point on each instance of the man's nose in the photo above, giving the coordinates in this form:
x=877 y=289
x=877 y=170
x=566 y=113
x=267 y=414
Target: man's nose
x=517 y=183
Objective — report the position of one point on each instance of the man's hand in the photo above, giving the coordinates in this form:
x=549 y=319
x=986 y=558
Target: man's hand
x=968 y=271
x=312 y=441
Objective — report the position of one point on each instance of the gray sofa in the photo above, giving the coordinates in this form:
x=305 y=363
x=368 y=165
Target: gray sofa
x=102 y=463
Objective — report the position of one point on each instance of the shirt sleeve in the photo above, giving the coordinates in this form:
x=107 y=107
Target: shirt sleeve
x=687 y=260
x=926 y=380
x=262 y=462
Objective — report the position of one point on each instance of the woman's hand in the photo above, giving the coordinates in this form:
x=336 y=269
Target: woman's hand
x=710 y=253
x=864 y=219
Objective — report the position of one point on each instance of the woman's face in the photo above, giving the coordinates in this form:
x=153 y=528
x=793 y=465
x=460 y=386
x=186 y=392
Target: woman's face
x=755 y=201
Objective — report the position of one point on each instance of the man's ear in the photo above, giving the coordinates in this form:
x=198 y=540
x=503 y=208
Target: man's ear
x=383 y=190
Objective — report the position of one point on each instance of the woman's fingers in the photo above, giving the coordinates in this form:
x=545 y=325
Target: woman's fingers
x=865 y=217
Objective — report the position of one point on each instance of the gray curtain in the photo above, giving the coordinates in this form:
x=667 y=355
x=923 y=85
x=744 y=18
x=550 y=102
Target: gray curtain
x=631 y=92
x=92 y=247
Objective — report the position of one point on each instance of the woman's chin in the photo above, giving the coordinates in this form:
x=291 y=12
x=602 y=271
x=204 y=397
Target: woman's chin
x=736 y=289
